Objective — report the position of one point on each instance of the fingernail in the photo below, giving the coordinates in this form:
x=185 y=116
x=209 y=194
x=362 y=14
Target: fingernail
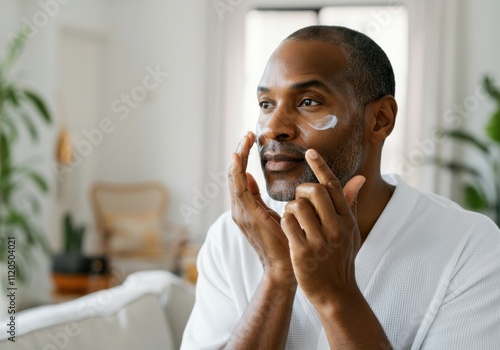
x=313 y=154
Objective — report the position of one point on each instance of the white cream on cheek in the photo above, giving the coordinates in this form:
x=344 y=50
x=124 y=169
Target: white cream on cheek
x=327 y=122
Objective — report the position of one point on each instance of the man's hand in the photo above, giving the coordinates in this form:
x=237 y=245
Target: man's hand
x=259 y=223
x=322 y=229
x=266 y=320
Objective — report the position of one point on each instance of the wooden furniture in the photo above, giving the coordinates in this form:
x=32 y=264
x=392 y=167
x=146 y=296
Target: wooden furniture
x=131 y=219
x=72 y=286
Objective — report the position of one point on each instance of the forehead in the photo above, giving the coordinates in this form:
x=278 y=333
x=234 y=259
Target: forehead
x=299 y=60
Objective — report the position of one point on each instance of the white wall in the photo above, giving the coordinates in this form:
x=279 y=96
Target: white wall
x=479 y=52
x=163 y=137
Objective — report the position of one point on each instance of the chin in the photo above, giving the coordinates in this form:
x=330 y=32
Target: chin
x=282 y=189
x=284 y=195
x=281 y=186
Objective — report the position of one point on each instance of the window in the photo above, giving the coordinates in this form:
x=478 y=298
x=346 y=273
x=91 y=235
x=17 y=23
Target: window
x=387 y=26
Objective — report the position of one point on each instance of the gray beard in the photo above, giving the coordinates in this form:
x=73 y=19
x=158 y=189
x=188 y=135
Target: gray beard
x=344 y=164
x=343 y=173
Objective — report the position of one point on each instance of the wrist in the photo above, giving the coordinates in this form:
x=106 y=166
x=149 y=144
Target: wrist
x=280 y=278
x=337 y=305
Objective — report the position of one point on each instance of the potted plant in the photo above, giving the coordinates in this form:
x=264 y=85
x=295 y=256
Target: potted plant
x=481 y=190
x=71 y=260
x=19 y=206
x=72 y=269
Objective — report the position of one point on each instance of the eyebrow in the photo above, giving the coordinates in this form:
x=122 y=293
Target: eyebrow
x=301 y=86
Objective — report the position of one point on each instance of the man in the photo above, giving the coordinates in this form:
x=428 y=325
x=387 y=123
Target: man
x=356 y=260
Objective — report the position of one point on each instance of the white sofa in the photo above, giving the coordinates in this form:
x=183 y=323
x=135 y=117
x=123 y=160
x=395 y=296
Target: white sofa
x=149 y=311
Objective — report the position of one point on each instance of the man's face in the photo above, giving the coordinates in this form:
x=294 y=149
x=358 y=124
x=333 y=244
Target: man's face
x=303 y=82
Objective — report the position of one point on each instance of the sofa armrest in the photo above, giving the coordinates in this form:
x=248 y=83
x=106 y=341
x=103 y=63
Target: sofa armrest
x=135 y=315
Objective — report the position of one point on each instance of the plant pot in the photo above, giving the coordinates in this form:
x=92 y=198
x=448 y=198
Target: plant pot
x=70 y=263
x=77 y=273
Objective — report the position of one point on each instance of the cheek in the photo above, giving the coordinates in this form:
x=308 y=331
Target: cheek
x=326 y=123
x=313 y=128
x=262 y=127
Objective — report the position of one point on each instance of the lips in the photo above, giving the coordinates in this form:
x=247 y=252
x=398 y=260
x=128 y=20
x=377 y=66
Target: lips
x=280 y=162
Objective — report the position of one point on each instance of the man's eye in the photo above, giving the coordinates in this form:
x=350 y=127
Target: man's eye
x=309 y=103
x=265 y=105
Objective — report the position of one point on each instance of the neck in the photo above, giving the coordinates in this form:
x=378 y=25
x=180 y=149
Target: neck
x=372 y=199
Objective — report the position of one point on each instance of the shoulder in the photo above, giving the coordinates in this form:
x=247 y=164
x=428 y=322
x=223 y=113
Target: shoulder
x=437 y=213
x=444 y=231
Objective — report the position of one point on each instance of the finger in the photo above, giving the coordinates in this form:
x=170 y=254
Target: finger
x=231 y=181
x=292 y=230
x=239 y=191
x=255 y=191
x=306 y=216
x=320 y=199
x=327 y=177
x=244 y=148
x=252 y=185
x=351 y=192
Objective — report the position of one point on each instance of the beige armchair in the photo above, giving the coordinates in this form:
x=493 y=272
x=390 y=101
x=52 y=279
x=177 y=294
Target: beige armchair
x=134 y=231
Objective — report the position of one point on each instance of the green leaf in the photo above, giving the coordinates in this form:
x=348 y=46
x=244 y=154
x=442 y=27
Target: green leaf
x=15 y=49
x=20 y=220
x=9 y=128
x=38 y=180
x=458 y=167
x=466 y=137
x=41 y=241
x=39 y=105
x=29 y=125
x=491 y=89
x=7 y=189
x=35 y=205
x=4 y=153
x=474 y=198
x=11 y=95
x=493 y=126
x=5 y=164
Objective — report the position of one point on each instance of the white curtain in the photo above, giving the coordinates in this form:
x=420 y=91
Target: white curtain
x=432 y=89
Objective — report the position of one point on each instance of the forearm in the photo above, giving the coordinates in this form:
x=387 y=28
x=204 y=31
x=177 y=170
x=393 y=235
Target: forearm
x=351 y=324
x=266 y=320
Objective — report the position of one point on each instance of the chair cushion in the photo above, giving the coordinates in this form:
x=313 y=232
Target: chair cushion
x=135 y=235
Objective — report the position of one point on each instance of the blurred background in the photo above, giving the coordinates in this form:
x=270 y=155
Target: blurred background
x=147 y=100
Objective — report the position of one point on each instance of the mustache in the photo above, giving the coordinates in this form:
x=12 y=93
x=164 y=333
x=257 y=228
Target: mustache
x=283 y=147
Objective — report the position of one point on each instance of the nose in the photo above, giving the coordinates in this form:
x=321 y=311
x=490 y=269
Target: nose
x=281 y=125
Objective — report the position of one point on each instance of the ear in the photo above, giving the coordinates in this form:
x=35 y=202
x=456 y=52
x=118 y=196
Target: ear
x=381 y=117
